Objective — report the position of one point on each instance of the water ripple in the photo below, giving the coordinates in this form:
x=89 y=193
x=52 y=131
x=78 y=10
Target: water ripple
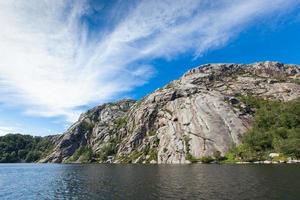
x=92 y=181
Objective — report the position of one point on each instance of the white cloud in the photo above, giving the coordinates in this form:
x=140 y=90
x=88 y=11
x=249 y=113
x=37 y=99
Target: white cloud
x=51 y=65
x=4 y=130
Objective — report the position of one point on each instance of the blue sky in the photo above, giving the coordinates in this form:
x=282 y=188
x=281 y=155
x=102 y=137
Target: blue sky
x=59 y=58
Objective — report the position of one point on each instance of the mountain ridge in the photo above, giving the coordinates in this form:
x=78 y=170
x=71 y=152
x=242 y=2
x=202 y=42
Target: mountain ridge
x=199 y=115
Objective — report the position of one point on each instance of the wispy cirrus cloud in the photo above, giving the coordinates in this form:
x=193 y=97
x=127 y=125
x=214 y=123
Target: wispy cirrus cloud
x=53 y=62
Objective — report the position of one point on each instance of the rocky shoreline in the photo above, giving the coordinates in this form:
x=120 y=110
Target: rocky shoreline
x=271 y=162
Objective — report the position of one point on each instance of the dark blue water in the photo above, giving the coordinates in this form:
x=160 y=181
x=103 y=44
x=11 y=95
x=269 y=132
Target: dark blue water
x=96 y=181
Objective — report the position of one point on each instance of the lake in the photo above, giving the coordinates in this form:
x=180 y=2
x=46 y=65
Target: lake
x=104 y=181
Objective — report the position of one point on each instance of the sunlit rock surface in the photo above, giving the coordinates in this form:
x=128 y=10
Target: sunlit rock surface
x=197 y=115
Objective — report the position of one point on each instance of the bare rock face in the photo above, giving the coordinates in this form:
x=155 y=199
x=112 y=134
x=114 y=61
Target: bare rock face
x=94 y=129
x=195 y=116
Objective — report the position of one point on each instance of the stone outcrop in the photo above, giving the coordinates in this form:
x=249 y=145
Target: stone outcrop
x=95 y=129
x=192 y=117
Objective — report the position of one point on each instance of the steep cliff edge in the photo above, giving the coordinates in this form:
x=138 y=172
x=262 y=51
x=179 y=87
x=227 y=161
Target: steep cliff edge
x=195 y=116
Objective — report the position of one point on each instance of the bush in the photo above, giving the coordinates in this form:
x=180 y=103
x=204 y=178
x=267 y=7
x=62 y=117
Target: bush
x=108 y=149
x=191 y=158
x=153 y=154
x=206 y=159
x=120 y=122
x=276 y=128
x=85 y=127
x=218 y=157
x=82 y=154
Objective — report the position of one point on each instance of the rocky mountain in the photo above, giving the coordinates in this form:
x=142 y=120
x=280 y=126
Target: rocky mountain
x=198 y=115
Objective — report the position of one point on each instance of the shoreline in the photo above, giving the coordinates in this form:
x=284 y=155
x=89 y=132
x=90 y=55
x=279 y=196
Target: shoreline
x=213 y=163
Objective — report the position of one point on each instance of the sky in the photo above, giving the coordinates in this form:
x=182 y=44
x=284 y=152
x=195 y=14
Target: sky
x=59 y=58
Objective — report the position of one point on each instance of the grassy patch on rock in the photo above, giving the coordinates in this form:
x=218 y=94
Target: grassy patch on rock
x=83 y=154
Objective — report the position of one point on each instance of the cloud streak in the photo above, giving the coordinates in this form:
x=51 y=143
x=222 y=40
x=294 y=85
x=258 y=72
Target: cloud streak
x=52 y=62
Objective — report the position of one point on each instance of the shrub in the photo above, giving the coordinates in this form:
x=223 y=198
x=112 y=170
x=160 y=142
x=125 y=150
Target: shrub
x=108 y=149
x=191 y=158
x=82 y=154
x=206 y=159
x=218 y=157
x=120 y=122
x=152 y=133
x=276 y=128
x=153 y=154
x=85 y=127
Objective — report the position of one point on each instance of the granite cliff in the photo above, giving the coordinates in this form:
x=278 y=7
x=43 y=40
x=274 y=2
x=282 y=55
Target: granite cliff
x=192 y=117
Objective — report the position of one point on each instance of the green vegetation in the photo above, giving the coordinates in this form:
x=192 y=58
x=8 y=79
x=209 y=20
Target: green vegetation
x=207 y=159
x=131 y=157
x=218 y=157
x=120 y=122
x=135 y=155
x=151 y=133
x=204 y=159
x=297 y=81
x=189 y=156
x=276 y=128
x=139 y=103
x=109 y=149
x=83 y=154
x=150 y=152
x=85 y=126
x=152 y=155
x=147 y=154
x=229 y=158
x=23 y=148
